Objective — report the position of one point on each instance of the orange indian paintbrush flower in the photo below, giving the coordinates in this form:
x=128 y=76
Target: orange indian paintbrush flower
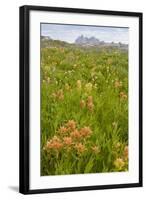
x=86 y=131
x=80 y=147
x=71 y=124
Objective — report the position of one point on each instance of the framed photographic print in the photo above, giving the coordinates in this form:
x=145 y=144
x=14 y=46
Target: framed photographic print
x=80 y=99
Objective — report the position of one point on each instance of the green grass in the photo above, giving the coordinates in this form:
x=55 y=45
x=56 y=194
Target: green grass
x=70 y=75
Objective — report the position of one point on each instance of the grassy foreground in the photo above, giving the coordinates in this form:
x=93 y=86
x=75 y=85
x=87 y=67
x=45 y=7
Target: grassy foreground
x=84 y=110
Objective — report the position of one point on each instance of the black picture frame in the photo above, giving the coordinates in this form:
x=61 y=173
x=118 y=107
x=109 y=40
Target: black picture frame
x=25 y=105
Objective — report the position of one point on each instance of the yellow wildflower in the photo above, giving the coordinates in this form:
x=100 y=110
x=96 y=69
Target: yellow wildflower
x=82 y=103
x=95 y=149
x=119 y=163
x=79 y=84
x=88 y=87
x=67 y=87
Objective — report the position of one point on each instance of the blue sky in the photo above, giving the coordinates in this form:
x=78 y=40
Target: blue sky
x=69 y=33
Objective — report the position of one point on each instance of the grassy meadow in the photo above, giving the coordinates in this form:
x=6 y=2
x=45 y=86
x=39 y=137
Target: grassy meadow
x=84 y=109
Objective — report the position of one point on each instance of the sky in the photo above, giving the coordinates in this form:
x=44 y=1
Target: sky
x=69 y=33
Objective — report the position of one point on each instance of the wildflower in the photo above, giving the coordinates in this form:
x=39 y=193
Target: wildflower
x=117 y=145
x=90 y=106
x=88 y=87
x=89 y=99
x=107 y=68
x=54 y=95
x=118 y=84
x=60 y=95
x=79 y=84
x=119 y=163
x=56 y=138
x=67 y=87
x=80 y=147
x=82 y=103
x=57 y=146
x=60 y=92
x=95 y=149
x=126 y=151
x=54 y=143
x=75 y=134
x=123 y=95
x=67 y=141
x=62 y=130
x=44 y=148
x=85 y=94
x=95 y=85
x=114 y=124
x=48 y=80
x=71 y=124
x=86 y=131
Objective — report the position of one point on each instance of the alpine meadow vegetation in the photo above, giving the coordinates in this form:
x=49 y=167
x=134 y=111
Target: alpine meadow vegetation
x=84 y=109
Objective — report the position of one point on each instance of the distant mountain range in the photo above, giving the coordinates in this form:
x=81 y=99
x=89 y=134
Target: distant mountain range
x=92 y=41
x=81 y=40
x=46 y=38
x=87 y=42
